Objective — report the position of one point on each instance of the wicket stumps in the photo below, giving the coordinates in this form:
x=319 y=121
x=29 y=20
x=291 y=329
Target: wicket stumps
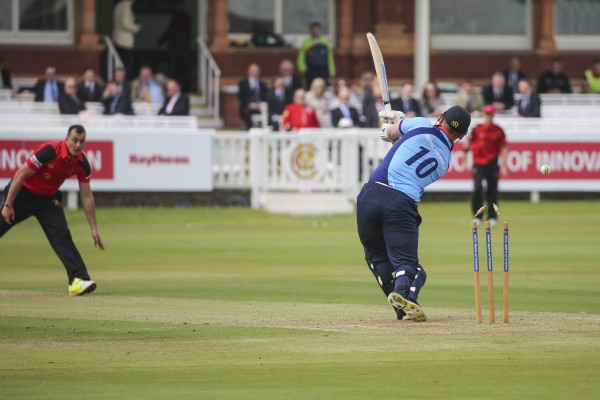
x=491 y=303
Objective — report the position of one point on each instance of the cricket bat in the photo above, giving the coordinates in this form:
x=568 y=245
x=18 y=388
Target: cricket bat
x=380 y=71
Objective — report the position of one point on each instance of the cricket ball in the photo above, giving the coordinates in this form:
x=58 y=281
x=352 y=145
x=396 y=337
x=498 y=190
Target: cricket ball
x=545 y=169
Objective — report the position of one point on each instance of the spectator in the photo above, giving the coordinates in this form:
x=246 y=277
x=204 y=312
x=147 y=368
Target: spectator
x=369 y=102
x=298 y=114
x=321 y=100
x=276 y=102
x=590 y=82
x=88 y=89
x=554 y=80
x=117 y=95
x=315 y=58
x=514 y=74
x=406 y=103
x=468 y=99
x=5 y=77
x=251 y=92
x=178 y=37
x=148 y=87
x=432 y=104
x=176 y=102
x=498 y=93
x=124 y=30
x=529 y=105
x=68 y=102
x=344 y=116
x=487 y=142
x=290 y=80
x=340 y=84
x=48 y=90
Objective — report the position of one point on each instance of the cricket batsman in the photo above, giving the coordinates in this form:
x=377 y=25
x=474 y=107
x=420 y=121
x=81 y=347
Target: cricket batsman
x=34 y=191
x=387 y=214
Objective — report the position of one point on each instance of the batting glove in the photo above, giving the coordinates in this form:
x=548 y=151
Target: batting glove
x=390 y=117
x=383 y=135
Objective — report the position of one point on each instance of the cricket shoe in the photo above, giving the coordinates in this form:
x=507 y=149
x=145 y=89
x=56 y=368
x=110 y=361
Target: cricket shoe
x=80 y=287
x=413 y=311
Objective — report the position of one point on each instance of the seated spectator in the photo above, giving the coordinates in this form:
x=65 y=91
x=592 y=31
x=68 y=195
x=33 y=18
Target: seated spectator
x=432 y=104
x=344 y=116
x=591 y=78
x=5 y=77
x=251 y=92
x=554 y=80
x=176 y=102
x=120 y=77
x=148 y=87
x=298 y=114
x=89 y=89
x=47 y=90
x=468 y=99
x=291 y=81
x=340 y=84
x=513 y=74
x=68 y=102
x=530 y=104
x=498 y=93
x=276 y=102
x=117 y=97
x=406 y=103
x=321 y=100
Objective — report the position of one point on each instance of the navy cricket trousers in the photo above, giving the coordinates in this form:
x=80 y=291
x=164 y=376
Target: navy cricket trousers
x=388 y=227
x=49 y=212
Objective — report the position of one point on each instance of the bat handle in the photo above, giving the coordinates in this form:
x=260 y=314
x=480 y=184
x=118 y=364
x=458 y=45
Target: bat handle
x=387 y=106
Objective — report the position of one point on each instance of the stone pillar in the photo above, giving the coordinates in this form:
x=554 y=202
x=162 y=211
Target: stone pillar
x=88 y=38
x=345 y=27
x=544 y=42
x=220 y=36
x=421 y=61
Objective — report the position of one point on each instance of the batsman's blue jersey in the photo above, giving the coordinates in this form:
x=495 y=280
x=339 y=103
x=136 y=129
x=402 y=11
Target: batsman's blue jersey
x=419 y=158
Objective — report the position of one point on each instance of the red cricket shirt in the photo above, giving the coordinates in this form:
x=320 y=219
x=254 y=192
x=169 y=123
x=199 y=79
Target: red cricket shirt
x=296 y=117
x=485 y=143
x=53 y=164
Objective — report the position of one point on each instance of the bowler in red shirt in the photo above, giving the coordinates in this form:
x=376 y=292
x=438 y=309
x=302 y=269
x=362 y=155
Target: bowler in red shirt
x=34 y=191
x=487 y=143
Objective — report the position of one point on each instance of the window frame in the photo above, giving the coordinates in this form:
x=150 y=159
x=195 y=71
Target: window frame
x=574 y=42
x=489 y=42
x=294 y=39
x=17 y=36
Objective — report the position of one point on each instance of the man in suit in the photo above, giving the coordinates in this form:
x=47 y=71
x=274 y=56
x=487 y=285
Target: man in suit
x=47 y=90
x=407 y=103
x=176 y=102
x=117 y=95
x=468 y=99
x=5 y=78
x=276 y=102
x=88 y=90
x=68 y=102
x=251 y=92
x=290 y=80
x=514 y=74
x=498 y=93
x=344 y=116
x=530 y=104
x=148 y=87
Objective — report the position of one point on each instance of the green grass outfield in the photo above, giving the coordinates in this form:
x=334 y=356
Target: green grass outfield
x=240 y=304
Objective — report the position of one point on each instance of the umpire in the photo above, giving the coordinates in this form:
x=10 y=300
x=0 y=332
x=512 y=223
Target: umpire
x=34 y=191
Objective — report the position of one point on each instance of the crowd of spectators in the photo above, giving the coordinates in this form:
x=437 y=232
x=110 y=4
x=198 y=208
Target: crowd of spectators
x=75 y=95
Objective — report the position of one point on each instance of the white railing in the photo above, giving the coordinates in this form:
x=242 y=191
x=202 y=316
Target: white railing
x=119 y=122
x=113 y=58
x=209 y=76
x=575 y=99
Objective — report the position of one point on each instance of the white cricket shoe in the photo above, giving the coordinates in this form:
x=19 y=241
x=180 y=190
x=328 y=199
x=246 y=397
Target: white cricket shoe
x=413 y=310
x=80 y=287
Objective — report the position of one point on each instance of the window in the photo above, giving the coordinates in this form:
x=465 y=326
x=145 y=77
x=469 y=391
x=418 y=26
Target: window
x=576 y=24
x=36 y=21
x=481 y=24
x=285 y=17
